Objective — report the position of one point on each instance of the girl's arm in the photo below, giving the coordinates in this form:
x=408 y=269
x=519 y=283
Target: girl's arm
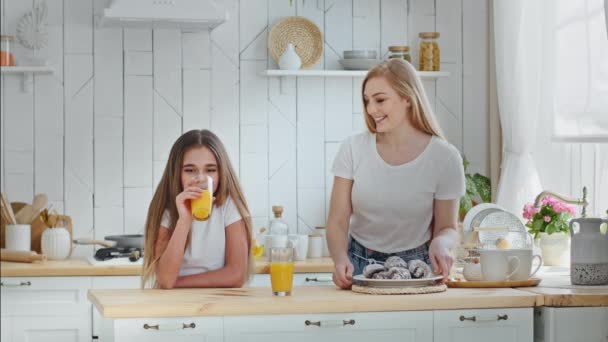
x=235 y=270
x=445 y=236
x=171 y=248
x=340 y=210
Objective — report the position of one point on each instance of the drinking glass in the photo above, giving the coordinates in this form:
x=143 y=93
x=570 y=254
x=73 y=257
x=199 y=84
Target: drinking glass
x=281 y=270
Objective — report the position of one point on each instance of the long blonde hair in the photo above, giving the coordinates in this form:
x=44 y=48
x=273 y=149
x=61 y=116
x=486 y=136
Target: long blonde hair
x=403 y=78
x=170 y=186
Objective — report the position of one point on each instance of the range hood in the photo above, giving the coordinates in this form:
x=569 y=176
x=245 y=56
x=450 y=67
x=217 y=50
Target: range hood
x=188 y=15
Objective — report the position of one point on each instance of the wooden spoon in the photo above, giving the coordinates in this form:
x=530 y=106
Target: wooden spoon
x=39 y=203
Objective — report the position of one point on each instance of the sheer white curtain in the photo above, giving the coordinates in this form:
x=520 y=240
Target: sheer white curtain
x=519 y=63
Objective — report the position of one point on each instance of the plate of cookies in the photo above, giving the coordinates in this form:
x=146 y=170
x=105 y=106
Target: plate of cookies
x=396 y=272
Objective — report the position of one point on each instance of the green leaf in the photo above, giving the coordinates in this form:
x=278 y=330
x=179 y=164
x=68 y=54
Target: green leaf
x=465 y=205
x=550 y=229
x=538 y=225
x=471 y=187
x=483 y=186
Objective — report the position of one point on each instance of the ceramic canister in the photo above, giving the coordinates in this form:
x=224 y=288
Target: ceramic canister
x=55 y=243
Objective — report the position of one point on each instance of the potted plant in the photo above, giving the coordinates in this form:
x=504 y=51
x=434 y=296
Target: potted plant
x=549 y=225
x=478 y=190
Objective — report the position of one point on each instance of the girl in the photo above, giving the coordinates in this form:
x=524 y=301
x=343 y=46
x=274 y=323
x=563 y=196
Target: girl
x=397 y=187
x=181 y=251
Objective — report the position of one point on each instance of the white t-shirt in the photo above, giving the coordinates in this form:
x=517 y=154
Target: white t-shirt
x=208 y=247
x=393 y=205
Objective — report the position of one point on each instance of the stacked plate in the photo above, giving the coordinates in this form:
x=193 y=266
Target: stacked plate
x=359 y=59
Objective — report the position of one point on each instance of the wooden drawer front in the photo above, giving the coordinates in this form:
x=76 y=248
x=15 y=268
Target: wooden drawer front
x=496 y=325
x=352 y=327
x=299 y=279
x=51 y=329
x=45 y=295
x=184 y=329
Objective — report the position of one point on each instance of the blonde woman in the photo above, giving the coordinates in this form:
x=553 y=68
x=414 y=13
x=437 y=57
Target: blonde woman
x=181 y=251
x=397 y=187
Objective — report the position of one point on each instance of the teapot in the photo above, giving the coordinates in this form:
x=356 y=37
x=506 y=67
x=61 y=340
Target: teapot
x=589 y=252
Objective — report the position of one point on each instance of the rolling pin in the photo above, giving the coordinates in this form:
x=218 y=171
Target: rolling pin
x=21 y=256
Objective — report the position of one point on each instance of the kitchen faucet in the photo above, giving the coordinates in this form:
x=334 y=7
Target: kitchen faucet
x=582 y=201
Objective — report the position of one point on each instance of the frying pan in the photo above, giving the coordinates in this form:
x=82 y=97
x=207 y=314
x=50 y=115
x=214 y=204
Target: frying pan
x=129 y=240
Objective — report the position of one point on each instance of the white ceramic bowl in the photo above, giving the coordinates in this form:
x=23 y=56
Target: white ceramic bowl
x=360 y=54
x=359 y=63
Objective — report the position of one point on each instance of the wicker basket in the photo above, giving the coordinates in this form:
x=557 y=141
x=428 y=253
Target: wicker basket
x=303 y=34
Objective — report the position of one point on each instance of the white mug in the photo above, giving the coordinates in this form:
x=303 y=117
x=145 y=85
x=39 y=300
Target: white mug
x=526 y=259
x=315 y=246
x=19 y=237
x=498 y=265
x=300 y=246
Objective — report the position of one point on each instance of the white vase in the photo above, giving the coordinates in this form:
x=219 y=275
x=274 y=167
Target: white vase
x=290 y=60
x=555 y=249
x=55 y=243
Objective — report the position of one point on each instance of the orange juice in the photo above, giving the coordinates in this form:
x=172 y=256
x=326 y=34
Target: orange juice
x=281 y=276
x=201 y=207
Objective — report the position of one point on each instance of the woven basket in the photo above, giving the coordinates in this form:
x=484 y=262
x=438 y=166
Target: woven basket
x=303 y=34
x=399 y=290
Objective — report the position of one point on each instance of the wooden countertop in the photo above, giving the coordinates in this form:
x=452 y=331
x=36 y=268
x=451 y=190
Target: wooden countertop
x=81 y=267
x=557 y=291
x=318 y=299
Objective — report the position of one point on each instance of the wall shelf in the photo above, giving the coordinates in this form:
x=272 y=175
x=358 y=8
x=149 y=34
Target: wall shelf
x=27 y=73
x=342 y=73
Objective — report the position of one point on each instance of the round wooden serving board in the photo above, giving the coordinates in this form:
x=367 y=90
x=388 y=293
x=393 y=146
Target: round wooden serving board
x=493 y=284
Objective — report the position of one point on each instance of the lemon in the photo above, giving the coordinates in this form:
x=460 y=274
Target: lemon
x=502 y=243
x=258 y=250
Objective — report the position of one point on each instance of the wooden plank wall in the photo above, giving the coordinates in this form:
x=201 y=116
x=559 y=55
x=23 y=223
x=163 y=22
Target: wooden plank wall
x=95 y=135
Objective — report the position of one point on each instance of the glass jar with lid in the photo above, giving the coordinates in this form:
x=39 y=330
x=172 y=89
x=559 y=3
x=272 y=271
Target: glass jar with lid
x=428 y=51
x=277 y=225
x=6 y=53
x=400 y=51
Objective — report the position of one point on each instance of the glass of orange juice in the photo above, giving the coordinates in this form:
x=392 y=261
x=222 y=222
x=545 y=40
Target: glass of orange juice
x=281 y=270
x=201 y=207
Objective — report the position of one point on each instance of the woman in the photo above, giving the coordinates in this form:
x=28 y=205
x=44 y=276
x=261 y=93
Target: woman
x=184 y=252
x=397 y=187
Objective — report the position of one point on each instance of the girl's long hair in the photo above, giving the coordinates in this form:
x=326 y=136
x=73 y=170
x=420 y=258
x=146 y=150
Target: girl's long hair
x=170 y=186
x=403 y=78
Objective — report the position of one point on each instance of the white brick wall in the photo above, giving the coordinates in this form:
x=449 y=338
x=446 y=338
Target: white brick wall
x=96 y=134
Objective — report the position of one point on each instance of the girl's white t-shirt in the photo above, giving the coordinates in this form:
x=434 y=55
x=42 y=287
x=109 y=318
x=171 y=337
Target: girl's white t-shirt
x=393 y=205
x=207 y=249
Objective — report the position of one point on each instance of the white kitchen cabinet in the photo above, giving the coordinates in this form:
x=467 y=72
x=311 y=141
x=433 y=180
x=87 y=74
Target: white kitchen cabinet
x=570 y=324
x=299 y=279
x=46 y=308
x=352 y=327
x=496 y=325
x=206 y=329
x=5 y=328
x=103 y=327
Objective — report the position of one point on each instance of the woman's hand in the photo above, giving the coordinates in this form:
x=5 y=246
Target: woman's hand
x=343 y=274
x=441 y=259
x=183 y=201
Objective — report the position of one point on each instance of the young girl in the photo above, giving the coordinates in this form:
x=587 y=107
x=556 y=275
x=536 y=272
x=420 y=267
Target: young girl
x=181 y=251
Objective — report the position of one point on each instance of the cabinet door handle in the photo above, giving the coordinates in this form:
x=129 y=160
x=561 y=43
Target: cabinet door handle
x=332 y=323
x=475 y=319
x=170 y=326
x=319 y=279
x=21 y=284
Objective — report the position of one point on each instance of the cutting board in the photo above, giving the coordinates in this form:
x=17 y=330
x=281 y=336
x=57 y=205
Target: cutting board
x=38 y=226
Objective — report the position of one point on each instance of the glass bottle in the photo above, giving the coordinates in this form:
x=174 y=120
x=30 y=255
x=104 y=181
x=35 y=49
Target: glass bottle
x=428 y=51
x=400 y=51
x=6 y=54
x=277 y=225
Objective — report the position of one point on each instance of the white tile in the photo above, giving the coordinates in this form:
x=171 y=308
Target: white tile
x=108 y=162
x=108 y=71
x=197 y=99
x=159 y=169
x=430 y=91
x=196 y=48
x=277 y=12
x=18 y=116
x=254 y=180
x=259 y=222
x=19 y=187
x=338 y=31
x=366 y=25
x=311 y=209
x=358 y=124
x=451 y=125
x=167 y=128
x=423 y=7
x=310 y=134
x=48 y=167
x=226 y=36
x=338 y=108
x=254 y=139
x=78 y=21
x=138 y=39
x=331 y=149
x=138 y=63
x=79 y=73
x=138 y=128
x=357 y=97
x=393 y=25
x=252 y=29
x=137 y=201
x=449 y=25
x=78 y=203
x=19 y=162
x=281 y=141
x=53 y=52
x=449 y=105
x=254 y=93
x=282 y=97
x=167 y=67
x=282 y=191
x=108 y=221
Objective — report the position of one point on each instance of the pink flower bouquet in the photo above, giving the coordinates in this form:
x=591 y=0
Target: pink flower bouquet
x=551 y=217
